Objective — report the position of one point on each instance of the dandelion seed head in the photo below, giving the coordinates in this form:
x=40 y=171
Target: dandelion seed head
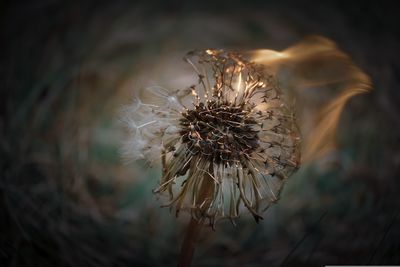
x=219 y=131
x=232 y=131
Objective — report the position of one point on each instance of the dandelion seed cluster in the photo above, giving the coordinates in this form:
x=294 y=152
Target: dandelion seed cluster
x=219 y=131
x=226 y=143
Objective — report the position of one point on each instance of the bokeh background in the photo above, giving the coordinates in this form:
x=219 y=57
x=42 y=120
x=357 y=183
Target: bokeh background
x=67 y=198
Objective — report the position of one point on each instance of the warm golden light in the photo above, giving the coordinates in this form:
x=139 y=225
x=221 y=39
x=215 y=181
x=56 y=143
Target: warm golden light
x=239 y=83
x=320 y=79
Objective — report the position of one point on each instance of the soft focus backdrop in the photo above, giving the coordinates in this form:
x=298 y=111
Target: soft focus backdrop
x=67 y=198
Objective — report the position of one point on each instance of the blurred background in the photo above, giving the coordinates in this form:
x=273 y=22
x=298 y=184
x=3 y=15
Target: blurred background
x=68 y=199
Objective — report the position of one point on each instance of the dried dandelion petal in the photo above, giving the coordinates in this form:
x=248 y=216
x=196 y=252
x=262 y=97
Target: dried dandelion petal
x=232 y=132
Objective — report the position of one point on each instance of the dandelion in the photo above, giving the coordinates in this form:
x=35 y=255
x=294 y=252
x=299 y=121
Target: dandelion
x=227 y=143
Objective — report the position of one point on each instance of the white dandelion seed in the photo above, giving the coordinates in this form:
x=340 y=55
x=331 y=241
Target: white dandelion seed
x=232 y=132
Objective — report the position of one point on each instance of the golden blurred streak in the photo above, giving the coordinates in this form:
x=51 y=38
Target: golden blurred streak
x=319 y=79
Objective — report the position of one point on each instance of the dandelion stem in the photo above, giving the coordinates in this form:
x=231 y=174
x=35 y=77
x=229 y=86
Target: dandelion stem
x=189 y=243
x=195 y=225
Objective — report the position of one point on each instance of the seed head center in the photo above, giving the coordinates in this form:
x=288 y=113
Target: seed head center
x=219 y=131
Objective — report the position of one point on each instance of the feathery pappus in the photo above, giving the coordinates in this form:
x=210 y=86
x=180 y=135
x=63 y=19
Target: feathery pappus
x=226 y=144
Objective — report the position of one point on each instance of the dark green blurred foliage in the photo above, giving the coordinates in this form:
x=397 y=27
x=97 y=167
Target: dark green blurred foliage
x=66 y=198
